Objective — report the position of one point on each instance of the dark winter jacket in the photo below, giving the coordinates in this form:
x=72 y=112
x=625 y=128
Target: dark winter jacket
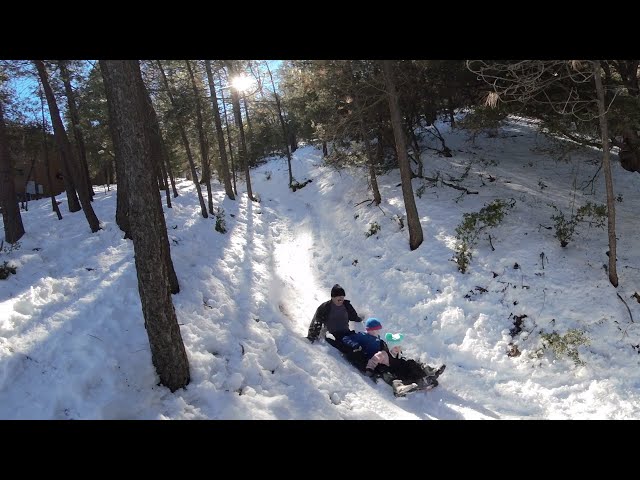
x=370 y=343
x=320 y=319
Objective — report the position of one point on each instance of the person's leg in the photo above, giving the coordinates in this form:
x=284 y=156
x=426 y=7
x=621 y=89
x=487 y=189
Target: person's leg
x=337 y=343
x=433 y=372
x=357 y=359
x=334 y=343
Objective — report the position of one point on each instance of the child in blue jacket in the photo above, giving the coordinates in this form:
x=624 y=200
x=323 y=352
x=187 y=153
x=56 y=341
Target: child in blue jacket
x=372 y=355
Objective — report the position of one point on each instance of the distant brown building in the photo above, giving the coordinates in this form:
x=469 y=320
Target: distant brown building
x=30 y=175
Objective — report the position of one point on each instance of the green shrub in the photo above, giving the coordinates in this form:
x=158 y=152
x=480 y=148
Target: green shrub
x=6 y=270
x=220 y=221
x=373 y=229
x=563 y=345
x=485 y=120
x=468 y=232
x=566 y=228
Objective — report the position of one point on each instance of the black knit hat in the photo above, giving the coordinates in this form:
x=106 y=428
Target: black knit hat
x=337 y=291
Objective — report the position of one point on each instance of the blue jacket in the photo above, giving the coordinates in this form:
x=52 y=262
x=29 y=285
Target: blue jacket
x=370 y=343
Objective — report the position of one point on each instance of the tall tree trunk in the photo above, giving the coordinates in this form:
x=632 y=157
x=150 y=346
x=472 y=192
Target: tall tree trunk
x=157 y=153
x=110 y=172
x=415 y=143
x=293 y=140
x=11 y=218
x=157 y=145
x=325 y=150
x=54 y=203
x=611 y=204
x=122 y=192
x=65 y=149
x=285 y=139
x=69 y=184
x=358 y=105
x=244 y=162
x=185 y=141
x=167 y=187
x=224 y=165
x=380 y=146
x=155 y=136
x=249 y=145
x=413 y=220
x=167 y=162
x=150 y=240
x=204 y=148
x=452 y=118
x=377 y=198
x=160 y=179
x=226 y=123
x=75 y=125
x=27 y=195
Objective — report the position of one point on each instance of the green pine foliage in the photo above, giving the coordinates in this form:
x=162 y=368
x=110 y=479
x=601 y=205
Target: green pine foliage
x=472 y=225
x=563 y=345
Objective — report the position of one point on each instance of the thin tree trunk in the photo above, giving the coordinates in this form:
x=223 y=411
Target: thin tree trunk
x=611 y=204
x=285 y=139
x=185 y=141
x=167 y=187
x=365 y=139
x=377 y=198
x=69 y=184
x=226 y=124
x=413 y=220
x=167 y=161
x=380 y=147
x=224 y=165
x=54 y=203
x=11 y=218
x=75 y=125
x=235 y=99
x=249 y=147
x=293 y=140
x=122 y=79
x=65 y=148
x=160 y=179
x=27 y=195
x=325 y=150
x=452 y=118
x=204 y=148
x=418 y=152
x=110 y=171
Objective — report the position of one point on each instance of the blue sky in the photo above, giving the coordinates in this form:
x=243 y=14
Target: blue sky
x=21 y=91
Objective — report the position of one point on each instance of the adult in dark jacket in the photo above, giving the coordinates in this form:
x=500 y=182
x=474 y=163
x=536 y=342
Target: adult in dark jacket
x=335 y=315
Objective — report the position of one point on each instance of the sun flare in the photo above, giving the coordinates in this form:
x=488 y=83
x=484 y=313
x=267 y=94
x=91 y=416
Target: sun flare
x=241 y=83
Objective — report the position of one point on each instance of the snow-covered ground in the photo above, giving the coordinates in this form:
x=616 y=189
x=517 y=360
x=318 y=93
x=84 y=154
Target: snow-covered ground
x=73 y=343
